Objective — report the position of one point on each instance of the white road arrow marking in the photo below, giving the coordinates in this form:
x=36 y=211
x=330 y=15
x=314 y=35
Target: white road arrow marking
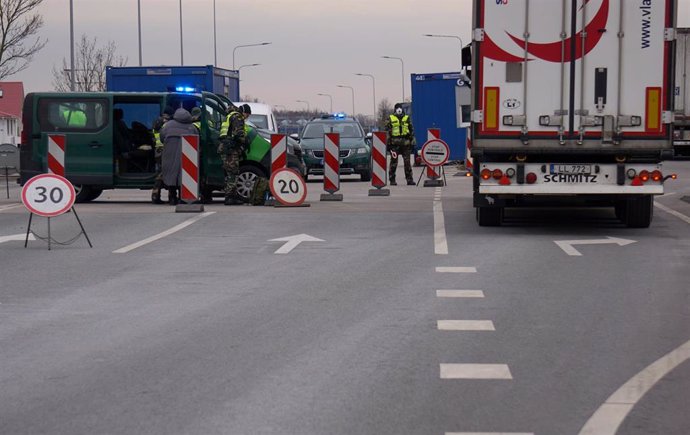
x=14 y=237
x=293 y=242
x=567 y=245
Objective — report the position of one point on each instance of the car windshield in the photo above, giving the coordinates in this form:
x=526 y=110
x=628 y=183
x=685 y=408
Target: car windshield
x=260 y=121
x=345 y=129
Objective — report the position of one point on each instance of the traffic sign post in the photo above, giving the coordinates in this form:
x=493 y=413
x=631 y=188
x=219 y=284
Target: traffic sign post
x=50 y=195
x=189 y=191
x=9 y=159
x=288 y=188
x=378 y=165
x=435 y=153
x=331 y=167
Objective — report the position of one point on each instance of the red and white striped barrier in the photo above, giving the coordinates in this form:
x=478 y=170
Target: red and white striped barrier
x=57 y=145
x=469 y=163
x=433 y=173
x=378 y=159
x=331 y=167
x=278 y=152
x=189 y=191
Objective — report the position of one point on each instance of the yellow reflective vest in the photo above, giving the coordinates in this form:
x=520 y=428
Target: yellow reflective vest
x=396 y=127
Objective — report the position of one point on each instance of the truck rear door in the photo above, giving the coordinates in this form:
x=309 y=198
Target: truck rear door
x=572 y=73
x=86 y=122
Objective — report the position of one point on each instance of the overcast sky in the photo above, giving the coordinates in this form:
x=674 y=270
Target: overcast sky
x=316 y=44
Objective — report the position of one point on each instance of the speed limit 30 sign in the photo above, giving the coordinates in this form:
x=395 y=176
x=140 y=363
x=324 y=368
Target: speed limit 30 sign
x=48 y=195
x=288 y=187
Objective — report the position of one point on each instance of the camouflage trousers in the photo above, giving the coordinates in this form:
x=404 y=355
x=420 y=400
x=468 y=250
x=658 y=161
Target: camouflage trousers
x=231 y=166
x=403 y=148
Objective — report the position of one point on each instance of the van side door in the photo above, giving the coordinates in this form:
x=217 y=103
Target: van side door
x=86 y=123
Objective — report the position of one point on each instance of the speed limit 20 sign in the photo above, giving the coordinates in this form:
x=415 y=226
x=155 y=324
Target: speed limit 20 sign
x=288 y=187
x=48 y=195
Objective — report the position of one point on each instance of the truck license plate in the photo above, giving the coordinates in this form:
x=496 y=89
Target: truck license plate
x=570 y=169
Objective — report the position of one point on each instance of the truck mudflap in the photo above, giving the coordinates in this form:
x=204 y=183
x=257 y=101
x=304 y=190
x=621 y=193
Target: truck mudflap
x=570 y=179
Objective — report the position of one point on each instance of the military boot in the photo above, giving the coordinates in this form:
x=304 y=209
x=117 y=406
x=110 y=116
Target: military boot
x=410 y=182
x=392 y=182
x=172 y=196
x=156 y=196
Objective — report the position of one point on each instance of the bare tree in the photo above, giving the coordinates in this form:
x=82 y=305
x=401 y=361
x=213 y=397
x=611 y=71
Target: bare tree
x=384 y=110
x=90 y=61
x=17 y=25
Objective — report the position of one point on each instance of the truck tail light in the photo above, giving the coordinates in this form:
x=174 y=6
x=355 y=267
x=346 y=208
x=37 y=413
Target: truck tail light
x=497 y=174
x=531 y=178
x=486 y=174
x=644 y=176
x=504 y=181
x=637 y=181
x=657 y=175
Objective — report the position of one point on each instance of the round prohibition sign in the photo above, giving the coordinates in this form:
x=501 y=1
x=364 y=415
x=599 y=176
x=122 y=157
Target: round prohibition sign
x=435 y=152
x=48 y=195
x=288 y=187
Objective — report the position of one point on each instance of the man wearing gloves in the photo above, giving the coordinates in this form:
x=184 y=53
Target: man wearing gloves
x=400 y=140
x=233 y=145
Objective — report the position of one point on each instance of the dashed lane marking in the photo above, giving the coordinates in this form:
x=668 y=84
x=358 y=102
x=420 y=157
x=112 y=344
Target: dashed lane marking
x=669 y=210
x=489 y=433
x=610 y=415
x=456 y=269
x=465 y=325
x=440 y=240
x=459 y=294
x=165 y=233
x=475 y=371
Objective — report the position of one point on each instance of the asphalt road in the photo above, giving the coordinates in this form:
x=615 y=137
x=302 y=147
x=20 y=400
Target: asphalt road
x=208 y=331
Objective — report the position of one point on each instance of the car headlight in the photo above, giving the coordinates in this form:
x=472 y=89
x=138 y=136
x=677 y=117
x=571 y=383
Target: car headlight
x=362 y=150
x=309 y=152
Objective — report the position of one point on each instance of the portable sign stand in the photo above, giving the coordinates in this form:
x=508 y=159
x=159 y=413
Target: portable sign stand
x=9 y=159
x=379 y=174
x=189 y=191
x=50 y=195
x=435 y=154
x=331 y=167
x=433 y=174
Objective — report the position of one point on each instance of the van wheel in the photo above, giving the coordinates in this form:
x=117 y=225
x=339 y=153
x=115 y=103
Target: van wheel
x=489 y=216
x=639 y=212
x=85 y=193
x=246 y=179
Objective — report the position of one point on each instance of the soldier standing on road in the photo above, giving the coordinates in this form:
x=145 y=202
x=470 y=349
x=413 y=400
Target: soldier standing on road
x=400 y=139
x=158 y=153
x=171 y=135
x=233 y=144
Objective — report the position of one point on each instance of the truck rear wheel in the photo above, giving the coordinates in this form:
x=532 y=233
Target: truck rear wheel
x=489 y=216
x=639 y=212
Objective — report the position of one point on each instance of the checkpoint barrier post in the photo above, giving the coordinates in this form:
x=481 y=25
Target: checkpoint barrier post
x=57 y=146
x=9 y=159
x=50 y=195
x=189 y=191
x=331 y=167
x=378 y=165
x=278 y=162
x=433 y=173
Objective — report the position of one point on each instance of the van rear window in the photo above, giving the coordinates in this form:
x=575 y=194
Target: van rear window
x=70 y=114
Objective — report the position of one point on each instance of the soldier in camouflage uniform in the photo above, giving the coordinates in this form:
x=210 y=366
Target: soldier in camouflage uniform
x=400 y=142
x=233 y=144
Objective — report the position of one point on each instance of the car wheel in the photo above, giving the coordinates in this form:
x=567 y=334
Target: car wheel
x=246 y=179
x=84 y=193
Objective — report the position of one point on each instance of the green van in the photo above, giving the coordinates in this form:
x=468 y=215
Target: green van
x=94 y=124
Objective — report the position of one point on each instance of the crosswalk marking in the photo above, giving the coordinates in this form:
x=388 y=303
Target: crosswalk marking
x=465 y=325
x=456 y=269
x=459 y=294
x=475 y=371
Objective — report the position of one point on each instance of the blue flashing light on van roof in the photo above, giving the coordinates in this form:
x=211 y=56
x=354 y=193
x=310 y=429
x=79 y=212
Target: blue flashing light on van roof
x=187 y=89
x=339 y=115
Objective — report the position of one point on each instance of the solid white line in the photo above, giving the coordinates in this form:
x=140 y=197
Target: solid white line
x=459 y=294
x=610 y=415
x=456 y=269
x=9 y=207
x=475 y=371
x=677 y=214
x=440 y=241
x=165 y=233
x=465 y=325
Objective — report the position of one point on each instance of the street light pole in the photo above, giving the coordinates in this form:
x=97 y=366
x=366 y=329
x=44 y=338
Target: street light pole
x=71 y=43
x=330 y=97
x=449 y=36
x=373 y=81
x=247 y=45
x=353 y=97
x=215 y=47
x=139 y=24
x=181 y=38
x=307 y=103
x=402 y=64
